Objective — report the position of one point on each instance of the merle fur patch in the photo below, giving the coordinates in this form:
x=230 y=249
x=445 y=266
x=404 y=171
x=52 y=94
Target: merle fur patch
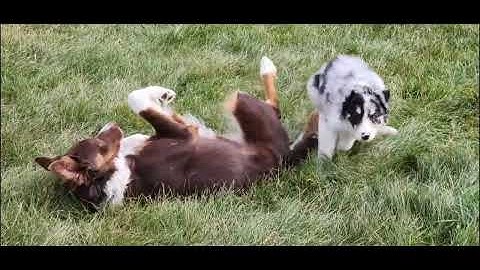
x=320 y=80
x=381 y=103
x=353 y=109
x=386 y=94
x=316 y=81
x=379 y=115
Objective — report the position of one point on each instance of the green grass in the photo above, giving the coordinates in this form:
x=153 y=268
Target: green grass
x=61 y=83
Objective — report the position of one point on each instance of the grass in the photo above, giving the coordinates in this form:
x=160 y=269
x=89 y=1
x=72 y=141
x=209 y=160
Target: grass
x=61 y=83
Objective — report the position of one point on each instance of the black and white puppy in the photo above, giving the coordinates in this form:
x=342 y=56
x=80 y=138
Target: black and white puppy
x=352 y=103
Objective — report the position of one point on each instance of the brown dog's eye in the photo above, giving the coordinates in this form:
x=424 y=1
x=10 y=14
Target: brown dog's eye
x=83 y=165
x=76 y=159
x=91 y=172
x=103 y=149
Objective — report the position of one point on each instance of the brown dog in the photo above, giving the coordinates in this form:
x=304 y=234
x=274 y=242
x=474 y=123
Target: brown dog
x=183 y=156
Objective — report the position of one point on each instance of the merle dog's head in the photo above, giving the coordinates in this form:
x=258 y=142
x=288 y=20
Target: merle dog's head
x=360 y=94
x=367 y=113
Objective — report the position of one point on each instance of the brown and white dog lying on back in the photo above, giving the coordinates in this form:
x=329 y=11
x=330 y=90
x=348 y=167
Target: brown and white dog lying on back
x=183 y=156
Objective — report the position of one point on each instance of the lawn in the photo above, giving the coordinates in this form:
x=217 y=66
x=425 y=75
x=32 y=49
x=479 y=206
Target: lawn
x=61 y=83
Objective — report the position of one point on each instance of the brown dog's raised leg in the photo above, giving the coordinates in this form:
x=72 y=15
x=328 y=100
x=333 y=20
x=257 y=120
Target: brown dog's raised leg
x=268 y=71
x=145 y=102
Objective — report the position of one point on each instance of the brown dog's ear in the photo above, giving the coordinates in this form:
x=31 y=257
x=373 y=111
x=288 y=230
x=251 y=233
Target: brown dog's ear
x=64 y=167
x=44 y=162
x=67 y=169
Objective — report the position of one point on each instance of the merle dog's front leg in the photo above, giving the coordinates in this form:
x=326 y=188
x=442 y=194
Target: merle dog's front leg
x=327 y=139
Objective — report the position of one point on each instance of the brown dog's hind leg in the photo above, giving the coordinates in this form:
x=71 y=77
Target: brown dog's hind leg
x=306 y=141
x=268 y=72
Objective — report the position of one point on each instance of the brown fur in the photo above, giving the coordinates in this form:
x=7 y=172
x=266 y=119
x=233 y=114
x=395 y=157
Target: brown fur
x=177 y=159
x=183 y=163
x=308 y=142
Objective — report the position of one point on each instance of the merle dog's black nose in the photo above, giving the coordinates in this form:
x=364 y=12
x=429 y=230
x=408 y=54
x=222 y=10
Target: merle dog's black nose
x=365 y=137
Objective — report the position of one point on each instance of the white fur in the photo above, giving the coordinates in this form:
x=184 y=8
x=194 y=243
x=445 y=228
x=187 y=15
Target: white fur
x=117 y=185
x=203 y=130
x=152 y=97
x=345 y=141
x=233 y=130
x=347 y=74
x=327 y=138
x=387 y=130
x=267 y=67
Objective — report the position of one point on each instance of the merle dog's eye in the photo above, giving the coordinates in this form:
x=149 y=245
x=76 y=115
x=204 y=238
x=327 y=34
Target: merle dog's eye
x=81 y=163
x=375 y=118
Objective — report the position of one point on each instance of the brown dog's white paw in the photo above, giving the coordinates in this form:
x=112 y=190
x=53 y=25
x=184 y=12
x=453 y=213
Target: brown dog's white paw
x=149 y=97
x=166 y=95
x=267 y=67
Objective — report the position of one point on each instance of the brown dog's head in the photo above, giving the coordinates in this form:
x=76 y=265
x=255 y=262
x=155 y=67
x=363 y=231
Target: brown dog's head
x=86 y=162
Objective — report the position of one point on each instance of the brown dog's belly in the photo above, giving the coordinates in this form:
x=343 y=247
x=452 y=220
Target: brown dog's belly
x=186 y=167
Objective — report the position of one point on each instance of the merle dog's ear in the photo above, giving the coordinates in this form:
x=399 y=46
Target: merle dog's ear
x=315 y=81
x=44 y=162
x=386 y=94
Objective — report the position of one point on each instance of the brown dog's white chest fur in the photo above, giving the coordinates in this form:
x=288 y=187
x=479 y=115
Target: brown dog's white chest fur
x=117 y=184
